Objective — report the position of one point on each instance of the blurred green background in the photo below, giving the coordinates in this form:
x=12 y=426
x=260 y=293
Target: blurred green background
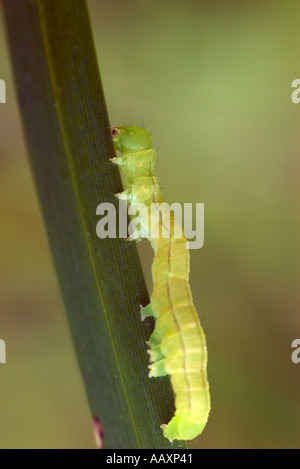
x=212 y=79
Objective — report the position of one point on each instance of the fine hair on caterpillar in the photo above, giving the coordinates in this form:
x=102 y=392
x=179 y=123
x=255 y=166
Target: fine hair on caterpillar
x=177 y=346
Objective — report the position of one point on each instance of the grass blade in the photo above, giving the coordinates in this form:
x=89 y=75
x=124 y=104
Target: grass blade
x=68 y=135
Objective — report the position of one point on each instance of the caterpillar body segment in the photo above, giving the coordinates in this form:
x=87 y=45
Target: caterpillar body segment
x=177 y=344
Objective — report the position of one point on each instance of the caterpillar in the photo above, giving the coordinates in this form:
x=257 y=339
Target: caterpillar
x=177 y=344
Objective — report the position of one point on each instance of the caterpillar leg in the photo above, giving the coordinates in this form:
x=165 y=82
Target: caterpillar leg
x=119 y=160
x=125 y=195
x=155 y=338
x=147 y=312
x=182 y=428
x=157 y=369
x=156 y=354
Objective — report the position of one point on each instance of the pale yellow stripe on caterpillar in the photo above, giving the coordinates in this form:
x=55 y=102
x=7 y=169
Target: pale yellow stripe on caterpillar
x=177 y=344
x=171 y=260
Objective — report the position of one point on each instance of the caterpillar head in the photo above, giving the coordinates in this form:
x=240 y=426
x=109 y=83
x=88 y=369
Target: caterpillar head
x=131 y=139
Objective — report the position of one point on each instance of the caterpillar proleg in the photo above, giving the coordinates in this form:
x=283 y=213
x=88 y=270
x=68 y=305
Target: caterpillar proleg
x=177 y=344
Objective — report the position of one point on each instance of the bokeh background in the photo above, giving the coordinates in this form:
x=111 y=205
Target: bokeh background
x=212 y=79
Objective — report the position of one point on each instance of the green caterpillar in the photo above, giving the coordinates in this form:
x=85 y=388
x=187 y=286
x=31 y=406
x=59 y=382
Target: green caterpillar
x=177 y=345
